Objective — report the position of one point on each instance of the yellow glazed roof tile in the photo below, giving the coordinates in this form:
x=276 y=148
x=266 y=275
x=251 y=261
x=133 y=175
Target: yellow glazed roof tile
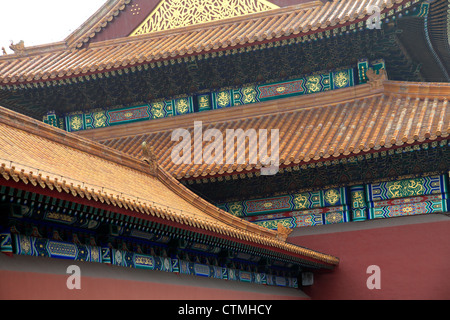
x=312 y=128
x=34 y=153
x=59 y=61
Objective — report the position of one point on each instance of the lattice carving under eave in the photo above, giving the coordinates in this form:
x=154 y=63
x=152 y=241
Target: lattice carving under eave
x=171 y=14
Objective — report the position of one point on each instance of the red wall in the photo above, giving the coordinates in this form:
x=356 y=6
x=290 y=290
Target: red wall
x=25 y=285
x=25 y=277
x=414 y=261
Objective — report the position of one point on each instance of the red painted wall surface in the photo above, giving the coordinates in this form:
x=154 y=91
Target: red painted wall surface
x=25 y=277
x=26 y=285
x=414 y=261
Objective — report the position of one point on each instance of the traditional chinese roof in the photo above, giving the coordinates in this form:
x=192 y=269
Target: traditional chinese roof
x=314 y=128
x=36 y=154
x=58 y=62
x=113 y=71
x=121 y=18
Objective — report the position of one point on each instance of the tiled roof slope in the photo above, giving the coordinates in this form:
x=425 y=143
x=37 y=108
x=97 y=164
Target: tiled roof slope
x=37 y=154
x=117 y=11
x=317 y=127
x=59 y=62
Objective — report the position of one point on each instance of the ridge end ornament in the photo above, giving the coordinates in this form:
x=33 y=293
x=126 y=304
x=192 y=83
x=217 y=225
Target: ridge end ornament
x=376 y=79
x=150 y=157
x=283 y=232
x=18 y=48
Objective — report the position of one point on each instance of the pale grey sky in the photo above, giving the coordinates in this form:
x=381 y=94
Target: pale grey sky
x=42 y=21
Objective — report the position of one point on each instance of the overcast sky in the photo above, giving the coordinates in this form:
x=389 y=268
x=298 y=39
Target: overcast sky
x=42 y=21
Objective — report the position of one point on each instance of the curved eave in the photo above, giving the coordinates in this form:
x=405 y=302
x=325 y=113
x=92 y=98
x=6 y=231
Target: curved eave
x=313 y=128
x=48 y=159
x=278 y=25
x=18 y=178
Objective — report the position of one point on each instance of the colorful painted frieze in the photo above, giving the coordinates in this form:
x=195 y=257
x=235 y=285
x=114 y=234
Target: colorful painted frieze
x=33 y=246
x=224 y=273
x=377 y=200
x=129 y=259
x=142 y=261
x=302 y=201
x=105 y=118
x=269 y=91
x=358 y=203
x=399 y=198
x=6 y=243
x=305 y=220
x=409 y=206
x=224 y=98
x=41 y=247
x=405 y=188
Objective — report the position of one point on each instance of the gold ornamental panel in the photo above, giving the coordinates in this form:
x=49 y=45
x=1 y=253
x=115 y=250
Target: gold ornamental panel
x=171 y=14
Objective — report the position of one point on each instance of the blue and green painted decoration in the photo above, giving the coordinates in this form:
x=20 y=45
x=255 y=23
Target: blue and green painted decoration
x=402 y=197
x=389 y=199
x=269 y=91
x=105 y=118
x=42 y=247
x=230 y=97
x=294 y=210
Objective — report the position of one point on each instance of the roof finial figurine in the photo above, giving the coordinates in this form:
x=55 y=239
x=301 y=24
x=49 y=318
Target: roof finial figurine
x=376 y=79
x=283 y=232
x=18 y=48
x=4 y=51
x=150 y=157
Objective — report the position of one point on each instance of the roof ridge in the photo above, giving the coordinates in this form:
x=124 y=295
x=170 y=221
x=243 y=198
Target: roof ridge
x=418 y=89
x=108 y=9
